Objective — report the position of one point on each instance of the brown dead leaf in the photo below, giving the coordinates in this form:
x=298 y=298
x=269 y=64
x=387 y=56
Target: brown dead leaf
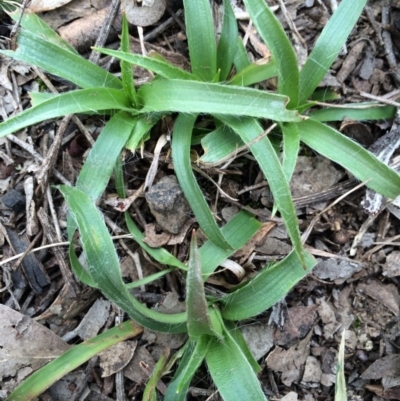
x=392 y=265
x=386 y=294
x=153 y=239
x=290 y=362
x=133 y=370
x=387 y=366
x=25 y=346
x=117 y=357
x=312 y=370
x=297 y=324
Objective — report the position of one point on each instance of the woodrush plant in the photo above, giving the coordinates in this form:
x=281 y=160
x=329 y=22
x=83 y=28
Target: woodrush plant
x=237 y=113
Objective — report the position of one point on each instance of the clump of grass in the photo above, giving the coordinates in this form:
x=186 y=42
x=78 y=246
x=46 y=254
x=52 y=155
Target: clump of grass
x=216 y=87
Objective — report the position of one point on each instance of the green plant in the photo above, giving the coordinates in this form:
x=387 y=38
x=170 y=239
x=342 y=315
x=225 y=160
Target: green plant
x=237 y=117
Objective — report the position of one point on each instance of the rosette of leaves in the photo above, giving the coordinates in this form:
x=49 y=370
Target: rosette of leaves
x=219 y=86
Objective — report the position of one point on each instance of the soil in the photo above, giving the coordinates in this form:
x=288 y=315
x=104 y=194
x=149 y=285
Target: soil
x=355 y=285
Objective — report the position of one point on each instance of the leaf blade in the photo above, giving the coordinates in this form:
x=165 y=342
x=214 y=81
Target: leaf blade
x=183 y=169
x=327 y=48
x=104 y=266
x=271 y=31
x=249 y=130
x=203 y=97
x=232 y=372
x=266 y=288
x=34 y=49
x=201 y=38
x=79 y=101
x=227 y=44
x=344 y=151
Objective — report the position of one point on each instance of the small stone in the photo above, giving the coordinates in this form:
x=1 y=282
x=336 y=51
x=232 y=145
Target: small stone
x=168 y=204
x=14 y=200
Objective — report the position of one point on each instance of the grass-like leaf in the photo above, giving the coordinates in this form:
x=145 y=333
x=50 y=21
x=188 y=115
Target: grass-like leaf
x=150 y=391
x=192 y=358
x=254 y=73
x=79 y=101
x=291 y=146
x=34 y=49
x=271 y=31
x=203 y=97
x=232 y=372
x=126 y=67
x=237 y=232
x=32 y=23
x=241 y=59
x=201 y=38
x=219 y=144
x=160 y=67
x=198 y=318
x=141 y=131
x=249 y=130
x=183 y=169
x=99 y=165
x=160 y=254
x=327 y=48
x=104 y=266
x=358 y=111
x=349 y=154
x=340 y=385
x=43 y=378
x=267 y=288
x=227 y=44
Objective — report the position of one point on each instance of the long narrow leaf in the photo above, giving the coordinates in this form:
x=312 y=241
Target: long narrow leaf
x=227 y=44
x=241 y=59
x=201 y=38
x=237 y=231
x=126 y=67
x=327 y=48
x=249 y=130
x=267 y=288
x=34 y=49
x=150 y=391
x=254 y=73
x=358 y=111
x=160 y=67
x=104 y=266
x=160 y=254
x=198 y=318
x=219 y=144
x=232 y=372
x=291 y=146
x=99 y=165
x=43 y=378
x=192 y=358
x=79 y=101
x=32 y=23
x=271 y=31
x=344 y=151
x=340 y=385
x=141 y=130
x=203 y=97
x=183 y=169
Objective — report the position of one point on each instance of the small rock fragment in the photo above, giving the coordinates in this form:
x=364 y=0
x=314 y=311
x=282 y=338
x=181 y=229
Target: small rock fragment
x=14 y=200
x=168 y=204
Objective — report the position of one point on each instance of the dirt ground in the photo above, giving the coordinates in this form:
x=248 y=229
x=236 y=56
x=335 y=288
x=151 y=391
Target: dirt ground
x=354 y=286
